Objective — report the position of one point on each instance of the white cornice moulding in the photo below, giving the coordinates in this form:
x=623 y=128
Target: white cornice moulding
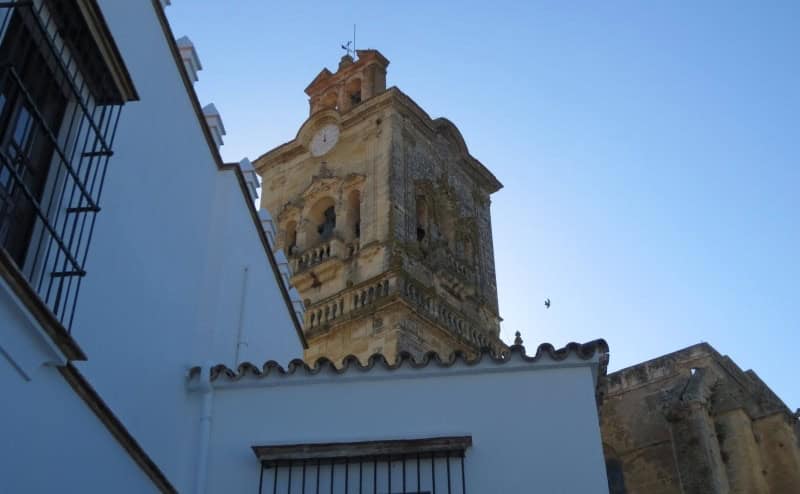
x=189 y=56
x=214 y=122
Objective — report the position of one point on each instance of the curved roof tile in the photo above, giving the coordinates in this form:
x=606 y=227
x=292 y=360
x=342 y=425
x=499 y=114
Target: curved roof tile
x=351 y=363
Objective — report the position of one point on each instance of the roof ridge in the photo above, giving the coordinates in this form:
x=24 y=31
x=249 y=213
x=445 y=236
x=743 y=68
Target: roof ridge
x=584 y=351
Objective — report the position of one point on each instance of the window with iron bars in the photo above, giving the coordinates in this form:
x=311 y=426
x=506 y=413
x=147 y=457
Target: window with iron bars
x=419 y=466
x=59 y=108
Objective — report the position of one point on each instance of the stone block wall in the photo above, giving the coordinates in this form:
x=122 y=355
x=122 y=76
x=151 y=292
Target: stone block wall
x=694 y=422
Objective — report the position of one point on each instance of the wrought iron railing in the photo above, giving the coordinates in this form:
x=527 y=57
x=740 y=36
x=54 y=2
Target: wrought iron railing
x=345 y=471
x=57 y=126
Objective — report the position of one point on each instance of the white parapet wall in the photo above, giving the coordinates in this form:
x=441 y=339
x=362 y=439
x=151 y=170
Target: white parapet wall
x=531 y=420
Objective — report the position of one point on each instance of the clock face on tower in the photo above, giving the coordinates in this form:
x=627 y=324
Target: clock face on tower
x=324 y=139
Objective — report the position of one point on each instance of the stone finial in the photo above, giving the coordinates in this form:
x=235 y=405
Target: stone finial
x=517 y=339
x=214 y=122
x=346 y=61
x=250 y=178
x=191 y=61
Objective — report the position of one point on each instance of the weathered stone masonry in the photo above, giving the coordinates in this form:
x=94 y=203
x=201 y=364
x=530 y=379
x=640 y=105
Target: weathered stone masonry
x=387 y=229
x=693 y=422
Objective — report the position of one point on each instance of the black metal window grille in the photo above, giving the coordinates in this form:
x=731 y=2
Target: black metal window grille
x=58 y=117
x=429 y=471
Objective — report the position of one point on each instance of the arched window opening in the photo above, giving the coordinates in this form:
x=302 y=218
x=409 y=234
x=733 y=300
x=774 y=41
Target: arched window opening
x=291 y=237
x=354 y=213
x=321 y=221
x=422 y=219
x=353 y=89
x=325 y=229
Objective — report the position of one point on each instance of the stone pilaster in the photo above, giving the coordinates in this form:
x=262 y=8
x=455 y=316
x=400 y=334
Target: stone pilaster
x=779 y=449
x=740 y=453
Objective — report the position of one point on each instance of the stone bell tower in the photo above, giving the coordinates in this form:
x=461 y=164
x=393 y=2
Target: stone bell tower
x=385 y=218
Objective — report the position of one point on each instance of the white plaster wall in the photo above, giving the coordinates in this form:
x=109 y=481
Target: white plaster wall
x=52 y=442
x=163 y=288
x=533 y=430
x=259 y=325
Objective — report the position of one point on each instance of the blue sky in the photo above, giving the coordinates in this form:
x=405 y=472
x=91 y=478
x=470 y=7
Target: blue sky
x=649 y=151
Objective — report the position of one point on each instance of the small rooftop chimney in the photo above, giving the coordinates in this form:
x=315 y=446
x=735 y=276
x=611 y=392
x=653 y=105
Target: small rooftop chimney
x=268 y=225
x=250 y=177
x=297 y=303
x=189 y=56
x=214 y=122
x=283 y=267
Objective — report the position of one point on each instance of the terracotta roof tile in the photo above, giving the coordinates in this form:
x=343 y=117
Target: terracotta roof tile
x=351 y=363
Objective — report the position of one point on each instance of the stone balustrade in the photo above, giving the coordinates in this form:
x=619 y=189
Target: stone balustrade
x=444 y=314
x=359 y=298
x=364 y=296
x=367 y=295
x=353 y=248
x=325 y=313
x=452 y=266
x=320 y=253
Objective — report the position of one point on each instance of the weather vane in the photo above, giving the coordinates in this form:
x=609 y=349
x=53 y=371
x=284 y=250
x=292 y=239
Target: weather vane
x=350 y=46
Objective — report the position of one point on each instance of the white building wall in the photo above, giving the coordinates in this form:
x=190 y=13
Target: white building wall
x=534 y=429
x=166 y=290
x=165 y=268
x=50 y=440
x=59 y=445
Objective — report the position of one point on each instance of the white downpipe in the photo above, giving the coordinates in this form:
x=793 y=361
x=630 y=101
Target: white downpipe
x=207 y=391
x=241 y=342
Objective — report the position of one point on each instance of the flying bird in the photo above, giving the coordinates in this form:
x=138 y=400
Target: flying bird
x=547 y=303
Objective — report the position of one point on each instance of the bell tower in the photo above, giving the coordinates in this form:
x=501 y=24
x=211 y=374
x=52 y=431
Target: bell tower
x=385 y=218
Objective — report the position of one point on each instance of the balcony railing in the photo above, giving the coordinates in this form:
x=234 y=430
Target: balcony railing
x=333 y=248
x=355 y=299
x=57 y=125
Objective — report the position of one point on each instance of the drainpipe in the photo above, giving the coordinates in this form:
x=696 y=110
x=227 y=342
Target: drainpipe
x=207 y=393
x=241 y=343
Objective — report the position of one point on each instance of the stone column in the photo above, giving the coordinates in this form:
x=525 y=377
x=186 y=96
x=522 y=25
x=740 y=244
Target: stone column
x=343 y=99
x=780 y=452
x=696 y=450
x=301 y=229
x=740 y=453
x=694 y=438
x=367 y=79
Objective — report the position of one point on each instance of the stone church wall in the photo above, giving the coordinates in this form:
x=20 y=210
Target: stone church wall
x=693 y=422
